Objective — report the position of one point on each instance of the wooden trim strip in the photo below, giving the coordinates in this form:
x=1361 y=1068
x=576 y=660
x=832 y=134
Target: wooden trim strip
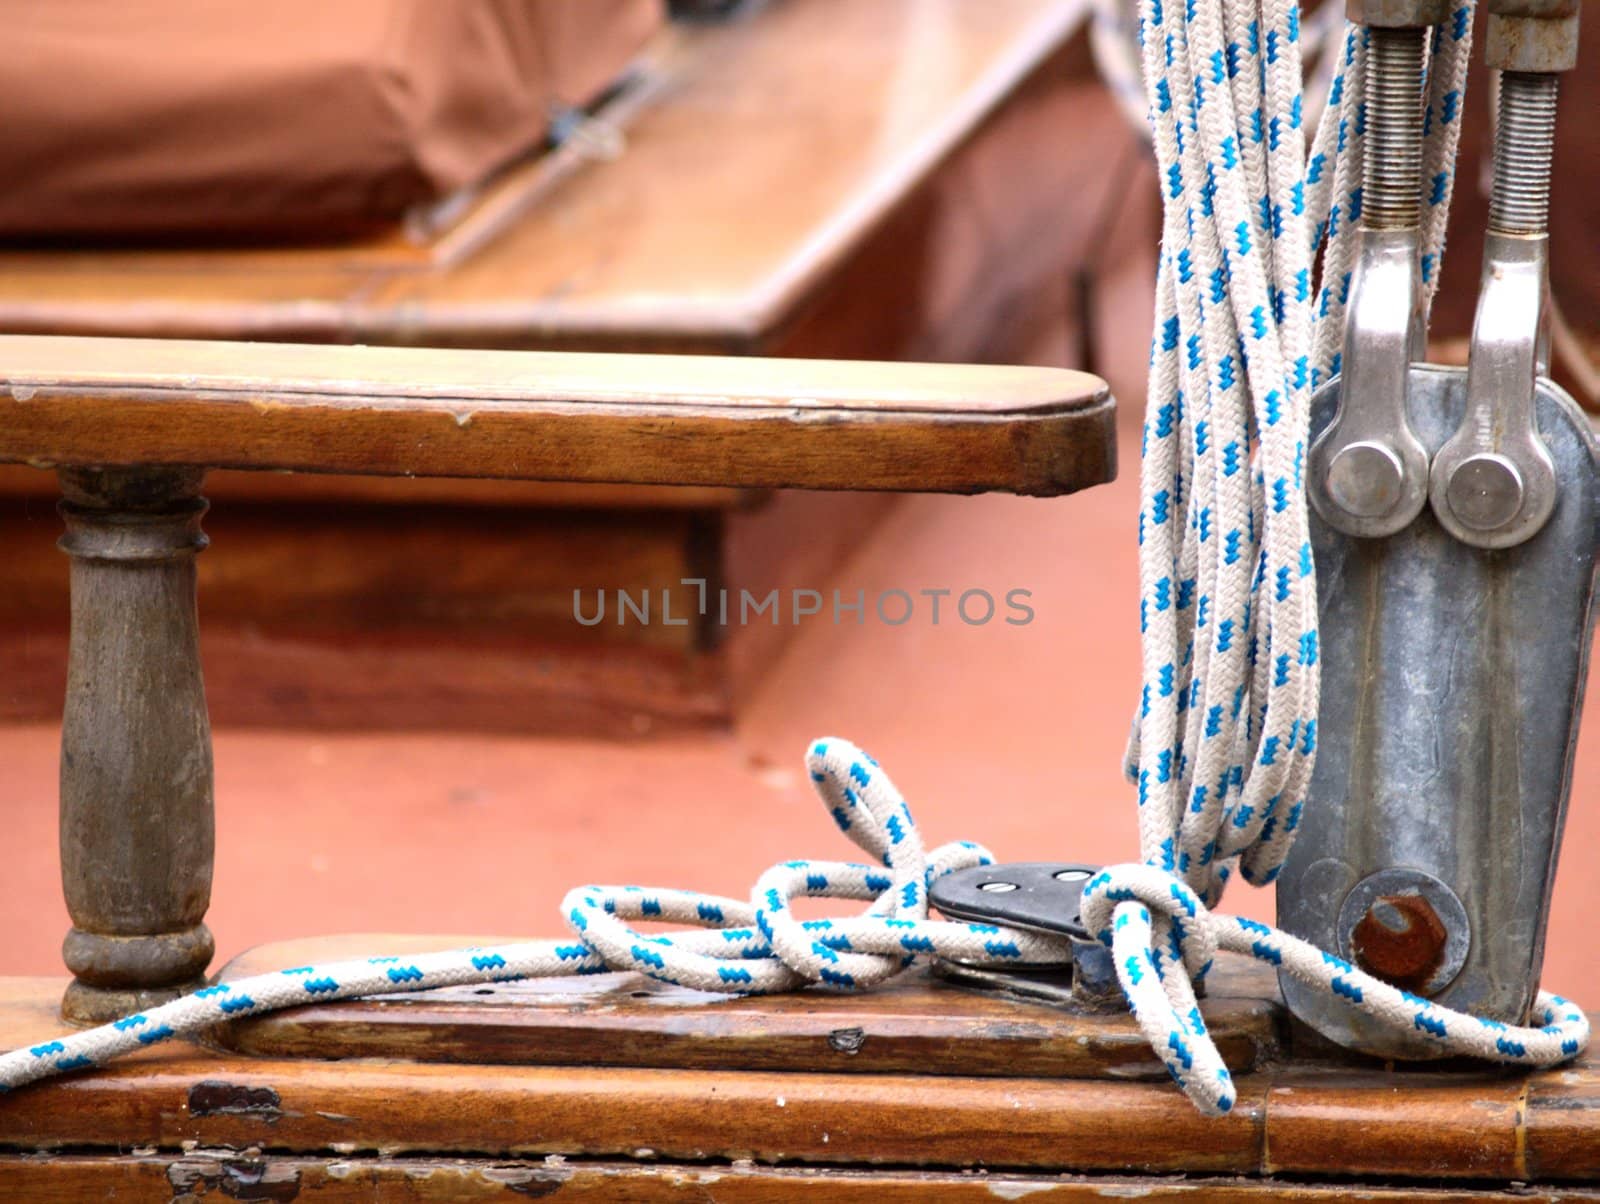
x=331 y=1178
x=904 y=1120
x=1424 y=1125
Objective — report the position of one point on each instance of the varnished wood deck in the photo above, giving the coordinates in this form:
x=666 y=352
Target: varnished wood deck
x=1417 y=1126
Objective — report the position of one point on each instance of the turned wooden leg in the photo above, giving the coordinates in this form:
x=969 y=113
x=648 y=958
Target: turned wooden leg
x=136 y=787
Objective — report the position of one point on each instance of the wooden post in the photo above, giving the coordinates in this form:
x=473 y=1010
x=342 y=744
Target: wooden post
x=137 y=829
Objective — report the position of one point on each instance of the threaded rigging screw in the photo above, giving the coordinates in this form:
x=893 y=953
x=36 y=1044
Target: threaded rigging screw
x=1524 y=148
x=1392 y=173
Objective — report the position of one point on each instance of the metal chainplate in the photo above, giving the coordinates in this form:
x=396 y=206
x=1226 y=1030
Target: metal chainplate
x=1452 y=684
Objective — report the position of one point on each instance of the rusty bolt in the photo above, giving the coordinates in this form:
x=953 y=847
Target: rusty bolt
x=1401 y=939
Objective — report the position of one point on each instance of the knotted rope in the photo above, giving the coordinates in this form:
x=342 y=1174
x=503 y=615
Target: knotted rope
x=1225 y=737
x=1163 y=940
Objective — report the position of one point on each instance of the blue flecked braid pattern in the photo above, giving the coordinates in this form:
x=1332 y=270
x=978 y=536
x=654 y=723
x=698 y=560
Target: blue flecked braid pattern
x=1226 y=730
x=734 y=947
x=1125 y=905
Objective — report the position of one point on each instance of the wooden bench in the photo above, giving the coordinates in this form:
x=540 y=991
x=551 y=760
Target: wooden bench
x=929 y=209
x=132 y=425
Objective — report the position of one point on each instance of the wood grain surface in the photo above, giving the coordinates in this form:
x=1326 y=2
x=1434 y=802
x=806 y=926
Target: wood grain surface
x=916 y=1025
x=252 y=1175
x=682 y=420
x=224 y=489
x=1367 y=1123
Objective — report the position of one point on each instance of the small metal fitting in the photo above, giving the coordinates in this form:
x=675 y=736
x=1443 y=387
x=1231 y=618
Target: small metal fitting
x=1524 y=152
x=1494 y=483
x=1406 y=927
x=1397 y=14
x=1401 y=939
x=1391 y=184
x=1368 y=469
x=1040 y=896
x=1531 y=35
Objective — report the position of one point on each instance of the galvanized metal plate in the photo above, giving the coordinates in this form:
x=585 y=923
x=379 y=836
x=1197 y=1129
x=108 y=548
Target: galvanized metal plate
x=1452 y=681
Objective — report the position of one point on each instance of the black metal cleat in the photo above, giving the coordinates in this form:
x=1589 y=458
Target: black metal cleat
x=1039 y=896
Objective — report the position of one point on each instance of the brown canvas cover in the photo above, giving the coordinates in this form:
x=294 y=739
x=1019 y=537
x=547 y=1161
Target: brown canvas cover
x=237 y=116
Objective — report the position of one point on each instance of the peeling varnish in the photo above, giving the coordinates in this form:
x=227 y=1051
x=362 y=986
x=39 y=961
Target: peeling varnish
x=847 y=1041
x=1519 y=1125
x=527 y=1180
x=1016 y=1189
x=1126 y=1191
x=236 y=1178
x=213 y=1097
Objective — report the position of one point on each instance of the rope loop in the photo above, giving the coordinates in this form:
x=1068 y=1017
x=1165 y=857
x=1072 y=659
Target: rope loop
x=1182 y=922
x=1163 y=938
x=1163 y=941
x=1558 y=1029
x=761 y=946
x=729 y=953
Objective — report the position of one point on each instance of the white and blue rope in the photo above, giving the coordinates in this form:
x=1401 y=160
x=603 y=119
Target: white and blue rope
x=1225 y=735
x=1163 y=940
x=739 y=947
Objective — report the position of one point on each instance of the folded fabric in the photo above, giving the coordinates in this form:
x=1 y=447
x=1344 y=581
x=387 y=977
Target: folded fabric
x=145 y=117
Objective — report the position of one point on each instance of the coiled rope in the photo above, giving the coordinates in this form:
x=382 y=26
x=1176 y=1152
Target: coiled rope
x=1226 y=731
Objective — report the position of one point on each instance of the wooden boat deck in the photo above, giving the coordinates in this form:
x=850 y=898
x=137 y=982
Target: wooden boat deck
x=321 y=1127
